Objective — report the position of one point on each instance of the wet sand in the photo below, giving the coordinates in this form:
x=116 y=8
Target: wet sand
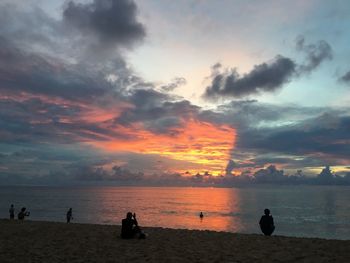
x=31 y=241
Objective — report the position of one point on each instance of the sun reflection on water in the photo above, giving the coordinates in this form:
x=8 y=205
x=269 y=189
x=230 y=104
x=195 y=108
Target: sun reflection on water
x=175 y=207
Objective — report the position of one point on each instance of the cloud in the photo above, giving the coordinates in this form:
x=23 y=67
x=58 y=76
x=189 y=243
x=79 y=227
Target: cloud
x=111 y=22
x=315 y=54
x=158 y=111
x=310 y=138
x=230 y=166
x=65 y=116
x=47 y=99
x=175 y=83
x=21 y=71
x=268 y=76
x=346 y=77
x=270 y=174
x=30 y=28
x=288 y=135
x=265 y=77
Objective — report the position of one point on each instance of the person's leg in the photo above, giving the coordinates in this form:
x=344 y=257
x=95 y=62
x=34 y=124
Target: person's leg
x=136 y=231
x=268 y=232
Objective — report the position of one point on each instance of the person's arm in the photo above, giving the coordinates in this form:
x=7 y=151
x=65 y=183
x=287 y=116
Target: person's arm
x=135 y=221
x=272 y=223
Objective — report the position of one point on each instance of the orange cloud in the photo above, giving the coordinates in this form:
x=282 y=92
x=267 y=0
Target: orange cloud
x=202 y=145
x=196 y=142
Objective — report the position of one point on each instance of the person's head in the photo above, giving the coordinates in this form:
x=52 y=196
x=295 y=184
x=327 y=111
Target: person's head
x=23 y=209
x=11 y=205
x=70 y=209
x=267 y=211
x=129 y=215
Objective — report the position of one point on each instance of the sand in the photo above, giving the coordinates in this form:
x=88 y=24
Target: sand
x=31 y=241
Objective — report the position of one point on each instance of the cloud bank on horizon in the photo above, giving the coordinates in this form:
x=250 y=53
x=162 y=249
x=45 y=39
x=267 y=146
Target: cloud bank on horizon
x=73 y=106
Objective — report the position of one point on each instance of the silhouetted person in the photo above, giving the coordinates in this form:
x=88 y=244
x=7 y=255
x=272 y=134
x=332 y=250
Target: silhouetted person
x=69 y=215
x=266 y=223
x=21 y=215
x=130 y=227
x=12 y=212
x=201 y=215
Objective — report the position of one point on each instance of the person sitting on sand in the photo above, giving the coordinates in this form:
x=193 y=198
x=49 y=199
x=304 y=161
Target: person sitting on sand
x=21 y=215
x=69 y=215
x=266 y=223
x=130 y=227
x=12 y=212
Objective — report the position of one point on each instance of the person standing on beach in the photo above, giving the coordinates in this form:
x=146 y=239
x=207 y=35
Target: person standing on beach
x=21 y=215
x=12 y=212
x=266 y=223
x=69 y=215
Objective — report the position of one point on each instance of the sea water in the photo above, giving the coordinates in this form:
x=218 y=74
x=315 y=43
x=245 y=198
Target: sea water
x=303 y=211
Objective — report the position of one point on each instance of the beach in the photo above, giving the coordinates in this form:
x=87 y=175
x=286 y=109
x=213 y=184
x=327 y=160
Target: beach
x=35 y=241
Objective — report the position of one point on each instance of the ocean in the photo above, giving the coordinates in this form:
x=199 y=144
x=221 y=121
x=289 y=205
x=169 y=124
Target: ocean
x=302 y=211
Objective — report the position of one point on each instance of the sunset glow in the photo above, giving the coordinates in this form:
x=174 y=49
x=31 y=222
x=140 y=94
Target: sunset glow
x=197 y=142
x=173 y=92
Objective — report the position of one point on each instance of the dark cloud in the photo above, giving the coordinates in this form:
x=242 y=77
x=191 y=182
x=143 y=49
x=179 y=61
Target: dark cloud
x=290 y=135
x=53 y=97
x=243 y=114
x=44 y=47
x=265 y=77
x=35 y=73
x=44 y=97
x=147 y=98
x=40 y=120
x=111 y=21
x=230 y=166
x=308 y=138
x=60 y=99
x=63 y=163
x=315 y=54
x=157 y=111
x=30 y=29
x=288 y=161
x=269 y=175
x=346 y=77
x=175 y=83
x=216 y=67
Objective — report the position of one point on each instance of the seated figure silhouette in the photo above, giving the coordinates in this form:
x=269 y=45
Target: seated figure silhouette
x=130 y=227
x=22 y=214
x=266 y=223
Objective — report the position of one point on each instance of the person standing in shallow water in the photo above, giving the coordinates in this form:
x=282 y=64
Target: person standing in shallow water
x=201 y=215
x=12 y=212
x=266 y=223
x=69 y=215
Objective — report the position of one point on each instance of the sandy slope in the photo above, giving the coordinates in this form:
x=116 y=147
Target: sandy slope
x=59 y=242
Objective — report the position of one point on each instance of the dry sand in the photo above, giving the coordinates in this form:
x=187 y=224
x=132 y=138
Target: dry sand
x=59 y=242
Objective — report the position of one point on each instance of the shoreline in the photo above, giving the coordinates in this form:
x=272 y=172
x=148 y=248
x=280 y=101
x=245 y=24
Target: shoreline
x=42 y=241
x=27 y=221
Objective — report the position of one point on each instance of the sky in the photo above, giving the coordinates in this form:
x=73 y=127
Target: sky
x=160 y=89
